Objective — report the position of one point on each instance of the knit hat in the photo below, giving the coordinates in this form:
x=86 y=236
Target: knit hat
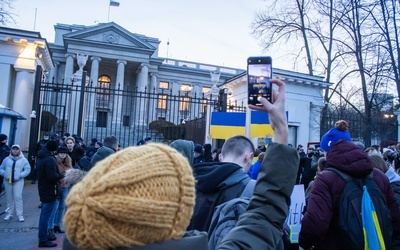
x=198 y=148
x=141 y=142
x=339 y=132
x=51 y=145
x=129 y=199
x=62 y=149
x=3 y=137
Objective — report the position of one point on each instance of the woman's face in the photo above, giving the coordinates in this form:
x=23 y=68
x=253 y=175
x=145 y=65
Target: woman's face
x=15 y=151
x=62 y=155
x=70 y=144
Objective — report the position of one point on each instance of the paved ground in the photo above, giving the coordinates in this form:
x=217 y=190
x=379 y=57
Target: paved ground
x=23 y=235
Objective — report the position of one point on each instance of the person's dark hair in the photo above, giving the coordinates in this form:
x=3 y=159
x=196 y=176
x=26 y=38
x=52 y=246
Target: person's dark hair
x=379 y=163
x=237 y=146
x=322 y=164
x=376 y=147
x=342 y=125
x=111 y=142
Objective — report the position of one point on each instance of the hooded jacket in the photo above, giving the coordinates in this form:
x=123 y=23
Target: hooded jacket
x=101 y=154
x=186 y=148
x=48 y=176
x=22 y=167
x=394 y=180
x=216 y=183
x=317 y=227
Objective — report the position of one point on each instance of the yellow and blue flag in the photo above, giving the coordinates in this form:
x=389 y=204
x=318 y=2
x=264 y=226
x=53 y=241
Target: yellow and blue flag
x=227 y=124
x=373 y=238
x=260 y=125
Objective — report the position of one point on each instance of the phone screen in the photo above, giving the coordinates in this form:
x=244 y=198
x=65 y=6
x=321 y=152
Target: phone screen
x=259 y=74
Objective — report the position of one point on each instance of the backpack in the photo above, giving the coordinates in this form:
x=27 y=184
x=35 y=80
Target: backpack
x=363 y=212
x=227 y=214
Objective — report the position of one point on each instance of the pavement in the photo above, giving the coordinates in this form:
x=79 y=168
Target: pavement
x=15 y=235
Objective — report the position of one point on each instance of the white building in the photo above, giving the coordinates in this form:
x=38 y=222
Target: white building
x=117 y=60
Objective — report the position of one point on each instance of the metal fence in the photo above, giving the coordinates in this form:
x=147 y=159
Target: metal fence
x=95 y=110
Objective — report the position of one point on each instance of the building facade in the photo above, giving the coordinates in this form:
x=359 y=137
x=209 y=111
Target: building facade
x=127 y=87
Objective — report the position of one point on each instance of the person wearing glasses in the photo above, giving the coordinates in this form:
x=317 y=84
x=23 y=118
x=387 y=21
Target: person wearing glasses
x=14 y=169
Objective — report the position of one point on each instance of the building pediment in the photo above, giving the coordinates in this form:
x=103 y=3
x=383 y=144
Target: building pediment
x=109 y=34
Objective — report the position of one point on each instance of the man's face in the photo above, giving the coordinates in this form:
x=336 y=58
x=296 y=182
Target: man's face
x=4 y=141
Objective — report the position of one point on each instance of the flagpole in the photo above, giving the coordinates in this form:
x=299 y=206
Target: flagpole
x=108 y=18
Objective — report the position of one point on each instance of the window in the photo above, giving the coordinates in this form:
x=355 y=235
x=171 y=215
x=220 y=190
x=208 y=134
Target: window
x=164 y=85
x=125 y=121
x=186 y=88
x=184 y=104
x=162 y=101
x=101 y=120
x=103 y=91
x=205 y=89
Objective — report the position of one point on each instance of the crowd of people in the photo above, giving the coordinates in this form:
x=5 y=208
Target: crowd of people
x=157 y=196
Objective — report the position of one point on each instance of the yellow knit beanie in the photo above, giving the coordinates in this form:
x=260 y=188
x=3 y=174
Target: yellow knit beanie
x=136 y=197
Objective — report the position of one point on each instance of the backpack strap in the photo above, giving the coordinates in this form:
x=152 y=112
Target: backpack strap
x=347 y=177
x=248 y=189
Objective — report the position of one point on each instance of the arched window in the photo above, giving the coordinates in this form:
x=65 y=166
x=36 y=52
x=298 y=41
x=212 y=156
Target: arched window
x=103 y=91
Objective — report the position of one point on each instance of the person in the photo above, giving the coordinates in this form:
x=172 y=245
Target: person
x=319 y=226
x=221 y=182
x=309 y=165
x=91 y=148
x=96 y=146
x=394 y=178
x=49 y=191
x=147 y=140
x=198 y=154
x=322 y=165
x=75 y=151
x=184 y=147
x=64 y=163
x=207 y=154
x=255 y=168
x=14 y=169
x=142 y=222
x=110 y=146
x=4 y=152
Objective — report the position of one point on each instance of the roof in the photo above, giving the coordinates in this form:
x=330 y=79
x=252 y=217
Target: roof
x=4 y=111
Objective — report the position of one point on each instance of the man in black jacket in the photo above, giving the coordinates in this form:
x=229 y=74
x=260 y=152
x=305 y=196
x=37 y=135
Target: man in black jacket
x=4 y=152
x=48 y=185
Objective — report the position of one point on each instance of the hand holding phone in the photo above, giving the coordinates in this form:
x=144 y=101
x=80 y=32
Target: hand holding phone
x=259 y=74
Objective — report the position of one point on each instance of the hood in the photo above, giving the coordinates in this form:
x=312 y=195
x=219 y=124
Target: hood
x=20 y=155
x=44 y=152
x=73 y=176
x=212 y=176
x=185 y=147
x=392 y=175
x=349 y=158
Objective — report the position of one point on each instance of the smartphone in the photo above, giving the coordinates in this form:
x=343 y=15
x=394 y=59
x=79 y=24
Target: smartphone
x=259 y=74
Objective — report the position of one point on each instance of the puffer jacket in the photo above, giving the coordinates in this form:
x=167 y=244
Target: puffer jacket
x=323 y=203
x=22 y=167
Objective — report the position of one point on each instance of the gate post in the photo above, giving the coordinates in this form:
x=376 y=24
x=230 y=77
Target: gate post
x=33 y=134
x=81 y=104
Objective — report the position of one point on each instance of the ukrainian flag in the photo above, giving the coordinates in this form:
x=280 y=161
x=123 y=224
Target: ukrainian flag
x=260 y=125
x=227 y=124
x=373 y=238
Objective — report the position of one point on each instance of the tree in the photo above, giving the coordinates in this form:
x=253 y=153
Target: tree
x=6 y=12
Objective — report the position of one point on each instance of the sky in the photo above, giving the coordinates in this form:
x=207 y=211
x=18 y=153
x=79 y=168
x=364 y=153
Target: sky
x=215 y=32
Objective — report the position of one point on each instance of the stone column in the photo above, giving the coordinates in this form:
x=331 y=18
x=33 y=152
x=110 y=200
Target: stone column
x=53 y=73
x=153 y=100
x=22 y=102
x=91 y=97
x=141 y=103
x=119 y=86
x=69 y=68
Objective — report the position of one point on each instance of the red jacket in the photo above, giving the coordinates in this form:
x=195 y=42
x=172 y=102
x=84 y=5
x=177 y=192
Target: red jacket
x=323 y=204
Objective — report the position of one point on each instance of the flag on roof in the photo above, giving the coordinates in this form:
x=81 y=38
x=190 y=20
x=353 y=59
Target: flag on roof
x=227 y=124
x=114 y=3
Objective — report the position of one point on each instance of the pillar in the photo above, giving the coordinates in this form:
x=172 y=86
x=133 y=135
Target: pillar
x=91 y=97
x=69 y=68
x=119 y=86
x=141 y=103
x=22 y=103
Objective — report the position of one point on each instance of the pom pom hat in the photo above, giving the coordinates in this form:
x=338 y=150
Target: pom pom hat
x=138 y=196
x=339 y=132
